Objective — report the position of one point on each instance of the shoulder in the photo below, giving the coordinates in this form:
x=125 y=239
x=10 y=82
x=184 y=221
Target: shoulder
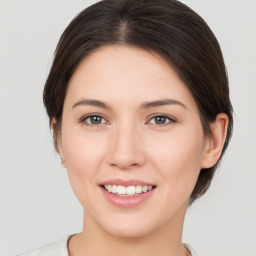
x=54 y=249
x=192 y=251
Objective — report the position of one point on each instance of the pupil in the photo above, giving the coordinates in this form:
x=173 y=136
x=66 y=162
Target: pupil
x=160 y=120
x=95 y=120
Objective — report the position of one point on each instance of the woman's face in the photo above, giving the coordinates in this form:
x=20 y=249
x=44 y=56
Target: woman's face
x=129 y=121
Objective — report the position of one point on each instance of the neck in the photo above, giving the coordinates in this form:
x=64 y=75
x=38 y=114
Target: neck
x=93 y=240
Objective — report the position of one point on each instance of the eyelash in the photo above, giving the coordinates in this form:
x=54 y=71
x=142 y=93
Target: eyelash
x=82 y=120
x=171 y=120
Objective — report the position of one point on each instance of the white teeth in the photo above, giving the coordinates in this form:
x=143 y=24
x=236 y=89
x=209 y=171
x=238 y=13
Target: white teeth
x=130 y=190
x=145 y=189
x=138 y=189
x=109 y=188
x=121 y=190
x=114 y=189
x=127 y=191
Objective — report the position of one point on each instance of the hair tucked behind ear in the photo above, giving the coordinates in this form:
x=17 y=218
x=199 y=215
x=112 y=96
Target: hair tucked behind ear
x=167 y=27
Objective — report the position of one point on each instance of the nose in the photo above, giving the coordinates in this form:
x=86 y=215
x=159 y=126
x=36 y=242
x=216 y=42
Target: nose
x=125 y=148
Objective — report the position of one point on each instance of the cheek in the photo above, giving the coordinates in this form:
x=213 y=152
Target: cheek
x=178 y=159
x=81 y=149
x=83 y=155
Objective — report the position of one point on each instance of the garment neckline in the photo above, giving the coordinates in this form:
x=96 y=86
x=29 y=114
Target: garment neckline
x=64 y=246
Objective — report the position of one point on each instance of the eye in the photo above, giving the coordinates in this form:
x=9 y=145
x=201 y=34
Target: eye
x=94 y=120
x=162 y=120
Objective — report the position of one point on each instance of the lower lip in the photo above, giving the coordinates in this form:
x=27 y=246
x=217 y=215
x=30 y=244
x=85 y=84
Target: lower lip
x=127 y=201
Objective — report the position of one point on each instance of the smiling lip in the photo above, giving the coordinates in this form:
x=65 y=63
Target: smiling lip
x=126 y=201
x=126 y=183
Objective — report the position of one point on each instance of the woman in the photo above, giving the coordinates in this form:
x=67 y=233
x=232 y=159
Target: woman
x=138 y=101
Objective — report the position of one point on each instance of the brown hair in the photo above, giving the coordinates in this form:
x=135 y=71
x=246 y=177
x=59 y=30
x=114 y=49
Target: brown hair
x=167 y=27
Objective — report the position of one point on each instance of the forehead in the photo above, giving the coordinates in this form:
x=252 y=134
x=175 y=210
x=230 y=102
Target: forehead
x=126 y=73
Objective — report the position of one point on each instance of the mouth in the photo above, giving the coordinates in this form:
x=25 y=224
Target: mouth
x=127 y=193
x=120 y=190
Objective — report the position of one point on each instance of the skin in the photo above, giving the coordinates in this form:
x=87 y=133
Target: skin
x=128 y=143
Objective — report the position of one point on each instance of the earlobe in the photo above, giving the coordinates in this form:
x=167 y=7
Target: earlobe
x=215 y=141
x=57 y=140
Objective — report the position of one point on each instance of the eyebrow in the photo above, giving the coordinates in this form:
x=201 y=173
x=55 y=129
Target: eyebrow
x=91 y=102
x=162 y=102
x=145 y=105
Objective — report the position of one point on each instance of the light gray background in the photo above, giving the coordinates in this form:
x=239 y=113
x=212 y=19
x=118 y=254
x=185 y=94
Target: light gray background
x=37 y=205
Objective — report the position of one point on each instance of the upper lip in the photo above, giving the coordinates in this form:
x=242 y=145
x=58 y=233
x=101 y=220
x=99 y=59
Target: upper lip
x=126 y=183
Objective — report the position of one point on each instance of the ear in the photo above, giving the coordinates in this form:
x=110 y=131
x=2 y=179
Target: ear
x=215 y=141
x=57 y=140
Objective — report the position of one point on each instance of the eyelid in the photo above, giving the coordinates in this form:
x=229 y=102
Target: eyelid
x=83 y=118
x=171 y=119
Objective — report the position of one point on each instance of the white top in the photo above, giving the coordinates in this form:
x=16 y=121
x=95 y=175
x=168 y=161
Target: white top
x=60 y=249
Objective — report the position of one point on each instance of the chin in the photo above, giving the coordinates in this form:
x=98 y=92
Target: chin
x=132 y=228
x=129 y=233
